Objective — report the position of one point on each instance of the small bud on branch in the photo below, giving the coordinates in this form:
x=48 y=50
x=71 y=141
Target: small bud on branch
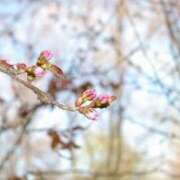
x=88 y=101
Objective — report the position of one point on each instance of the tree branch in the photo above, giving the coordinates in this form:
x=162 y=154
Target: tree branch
x=41 y=95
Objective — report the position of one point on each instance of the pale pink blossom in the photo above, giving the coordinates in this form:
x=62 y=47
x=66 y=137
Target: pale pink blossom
x=39 y=72
x=46 y=54
x=91 y=114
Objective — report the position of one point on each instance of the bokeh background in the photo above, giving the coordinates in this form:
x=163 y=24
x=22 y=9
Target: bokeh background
x=128 y=48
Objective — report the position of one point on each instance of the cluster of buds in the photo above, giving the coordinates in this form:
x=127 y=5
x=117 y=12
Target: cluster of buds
x=39 y=69
x=89 y=101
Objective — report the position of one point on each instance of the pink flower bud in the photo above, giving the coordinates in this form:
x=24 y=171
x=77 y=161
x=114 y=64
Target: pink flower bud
x=5 y=64
x=79 y=102
x=103 y=98
x=39 y=72
x=91 y=114
x=89 y=94
x=21 y=67
x=103 y=101
x=46 y=54
x=106 y=99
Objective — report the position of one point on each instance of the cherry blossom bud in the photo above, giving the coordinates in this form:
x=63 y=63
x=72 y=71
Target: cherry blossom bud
x=89 y=94
x=6 y=65
x=104 y=100
x=39 y=72
x=21 y=67
x=79 y=101
x=91 y=114
x=46 y=54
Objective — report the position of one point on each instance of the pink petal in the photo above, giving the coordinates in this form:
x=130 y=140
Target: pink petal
x=92 y=114
x=47 y=54
x=39 y=72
